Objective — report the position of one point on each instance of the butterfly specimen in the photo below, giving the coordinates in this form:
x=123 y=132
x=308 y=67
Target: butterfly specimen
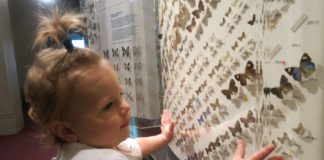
x=213 y=3
x=212 y=145
x=215 y=105
x=223 y=22
x=215 y=119
x=285 y=139
x=251 y=22
x=207 y=15
x=197 y=12
x=192 y=25
x=249 y=119
x=237 y=129
x=250 y=73
x=300 y=129
x=228 y=12
x=242 y=36
x=306 y=67
x=224 y=136
x=231 y=90
x=199 y=31
x=303 y=133
x=285 y=87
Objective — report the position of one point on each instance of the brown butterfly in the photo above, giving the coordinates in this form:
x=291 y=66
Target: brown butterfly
x=232 y=89
x=234 y=46
x=284 y=139
x=251 y=22
x=215 y=105
x=207 y=15
x=223 y=22
x=214 y=3
x=224 y=136
x=215 y=119
x=249 y=119
x=192 y=25
x=242 y=36
x=284 y=88
x=228 y=12
x=212 y=145
x=237 y=129
x=300 y=130
x=250 y=73
x=197 y=12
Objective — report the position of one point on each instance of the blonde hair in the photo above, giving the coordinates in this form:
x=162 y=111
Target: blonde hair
x=51 y=79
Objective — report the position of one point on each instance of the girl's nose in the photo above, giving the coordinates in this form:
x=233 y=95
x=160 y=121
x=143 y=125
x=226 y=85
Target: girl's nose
x=124 y=107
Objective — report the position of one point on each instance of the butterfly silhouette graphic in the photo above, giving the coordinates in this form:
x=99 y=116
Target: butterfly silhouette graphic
x=106 y=53
x=306 y=67
x=128 y=81
x=284 y=88
x=127 y=66
x=232 y=89
x=249 y=73
x=115 y=52
x=125 y=52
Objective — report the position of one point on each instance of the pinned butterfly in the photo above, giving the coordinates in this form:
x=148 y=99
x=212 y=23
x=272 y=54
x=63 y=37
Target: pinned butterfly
x=249 y=74
x=284 y=88
x=305 y=69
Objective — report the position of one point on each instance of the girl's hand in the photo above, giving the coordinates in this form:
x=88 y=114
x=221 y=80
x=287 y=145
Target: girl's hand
x=259 y=155
x=167 y=125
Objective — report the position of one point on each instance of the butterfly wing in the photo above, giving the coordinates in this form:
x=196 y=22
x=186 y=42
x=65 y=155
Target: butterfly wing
x=306 y=65
x=242 y=78
x=294 y=72
x=277 y=91
x=227 y=93
x=232 y=86
x=249 y=70
x=285 y=85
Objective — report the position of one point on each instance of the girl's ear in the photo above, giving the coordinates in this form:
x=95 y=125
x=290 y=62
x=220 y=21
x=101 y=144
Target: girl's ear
x=63 y=131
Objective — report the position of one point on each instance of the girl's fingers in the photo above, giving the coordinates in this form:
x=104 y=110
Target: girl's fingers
x=240 y=150
x=263 y=152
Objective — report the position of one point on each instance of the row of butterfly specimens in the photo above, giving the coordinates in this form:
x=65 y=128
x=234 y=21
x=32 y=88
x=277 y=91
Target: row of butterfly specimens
x=210 y=75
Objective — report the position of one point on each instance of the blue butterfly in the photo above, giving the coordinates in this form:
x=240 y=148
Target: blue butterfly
x=305 y=68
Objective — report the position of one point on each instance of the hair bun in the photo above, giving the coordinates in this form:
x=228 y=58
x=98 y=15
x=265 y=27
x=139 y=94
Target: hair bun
x=54 y=29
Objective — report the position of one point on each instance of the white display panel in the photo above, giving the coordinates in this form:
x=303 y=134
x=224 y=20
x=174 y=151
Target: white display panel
x=227 y=74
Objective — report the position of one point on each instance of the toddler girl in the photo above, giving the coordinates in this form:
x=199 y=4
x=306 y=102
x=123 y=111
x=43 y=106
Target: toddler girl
x=78 y=103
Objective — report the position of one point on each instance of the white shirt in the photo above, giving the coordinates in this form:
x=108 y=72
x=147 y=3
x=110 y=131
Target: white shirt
x=126 y=150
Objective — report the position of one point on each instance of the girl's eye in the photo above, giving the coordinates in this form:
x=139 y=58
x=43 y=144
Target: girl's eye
x=121 y=93
x=108 y=106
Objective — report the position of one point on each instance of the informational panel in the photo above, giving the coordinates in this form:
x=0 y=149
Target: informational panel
x=128 y=40
x=243 y=69
x=115 y=23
